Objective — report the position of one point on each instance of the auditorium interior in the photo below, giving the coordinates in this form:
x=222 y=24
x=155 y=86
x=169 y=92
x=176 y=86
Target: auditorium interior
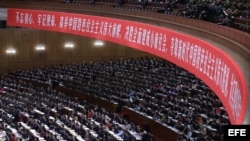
x=56 y=85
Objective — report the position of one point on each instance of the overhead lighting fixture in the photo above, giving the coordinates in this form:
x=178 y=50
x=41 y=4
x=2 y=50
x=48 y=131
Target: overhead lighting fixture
x=11 y=51
x=40 y=47
x=69 y=45
x=98 y=43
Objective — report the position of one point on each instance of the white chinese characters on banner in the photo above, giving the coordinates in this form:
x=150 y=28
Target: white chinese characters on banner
x=92 y=26
x=61 y=22
x=213 y=67
x=24 y=18
x=79 y=24
x=118 y=31
x=235 y=97
x=66 y=22
x=53 y=21
x=87 y=25
x=46 y=20
x=70 y=23
x=97 y=26
x=114 y=30
x=139 y=36
x=146 y=37
x=105 y=29
x=110 y=29
x=135 y=34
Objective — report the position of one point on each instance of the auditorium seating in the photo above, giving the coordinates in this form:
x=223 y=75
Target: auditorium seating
x=31 y=113
x=151 y=86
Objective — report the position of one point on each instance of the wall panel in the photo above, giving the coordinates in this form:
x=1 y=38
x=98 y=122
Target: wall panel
x=25 y=40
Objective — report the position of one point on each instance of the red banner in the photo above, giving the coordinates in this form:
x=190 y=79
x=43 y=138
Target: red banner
x=206 y=61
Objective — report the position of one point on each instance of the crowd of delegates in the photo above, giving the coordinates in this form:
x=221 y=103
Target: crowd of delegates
x=152 y=86
x=223 y=12
x=232 y=13
x=218 y=11
x=29 y=113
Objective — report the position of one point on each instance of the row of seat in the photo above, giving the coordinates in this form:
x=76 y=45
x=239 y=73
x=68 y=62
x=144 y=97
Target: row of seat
x=152 y=86
x=40 y=114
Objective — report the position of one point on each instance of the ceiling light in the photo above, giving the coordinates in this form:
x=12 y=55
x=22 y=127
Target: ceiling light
x=68 y=45
x=11 y=51
x=40 y=47
x=98 y=43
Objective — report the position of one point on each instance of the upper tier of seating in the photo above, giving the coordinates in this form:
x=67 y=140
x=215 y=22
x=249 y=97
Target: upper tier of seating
x=151 y=86
x=229 y=13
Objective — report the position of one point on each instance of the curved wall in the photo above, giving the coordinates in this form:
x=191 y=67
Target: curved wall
x=206 y=61
x=229 y=38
